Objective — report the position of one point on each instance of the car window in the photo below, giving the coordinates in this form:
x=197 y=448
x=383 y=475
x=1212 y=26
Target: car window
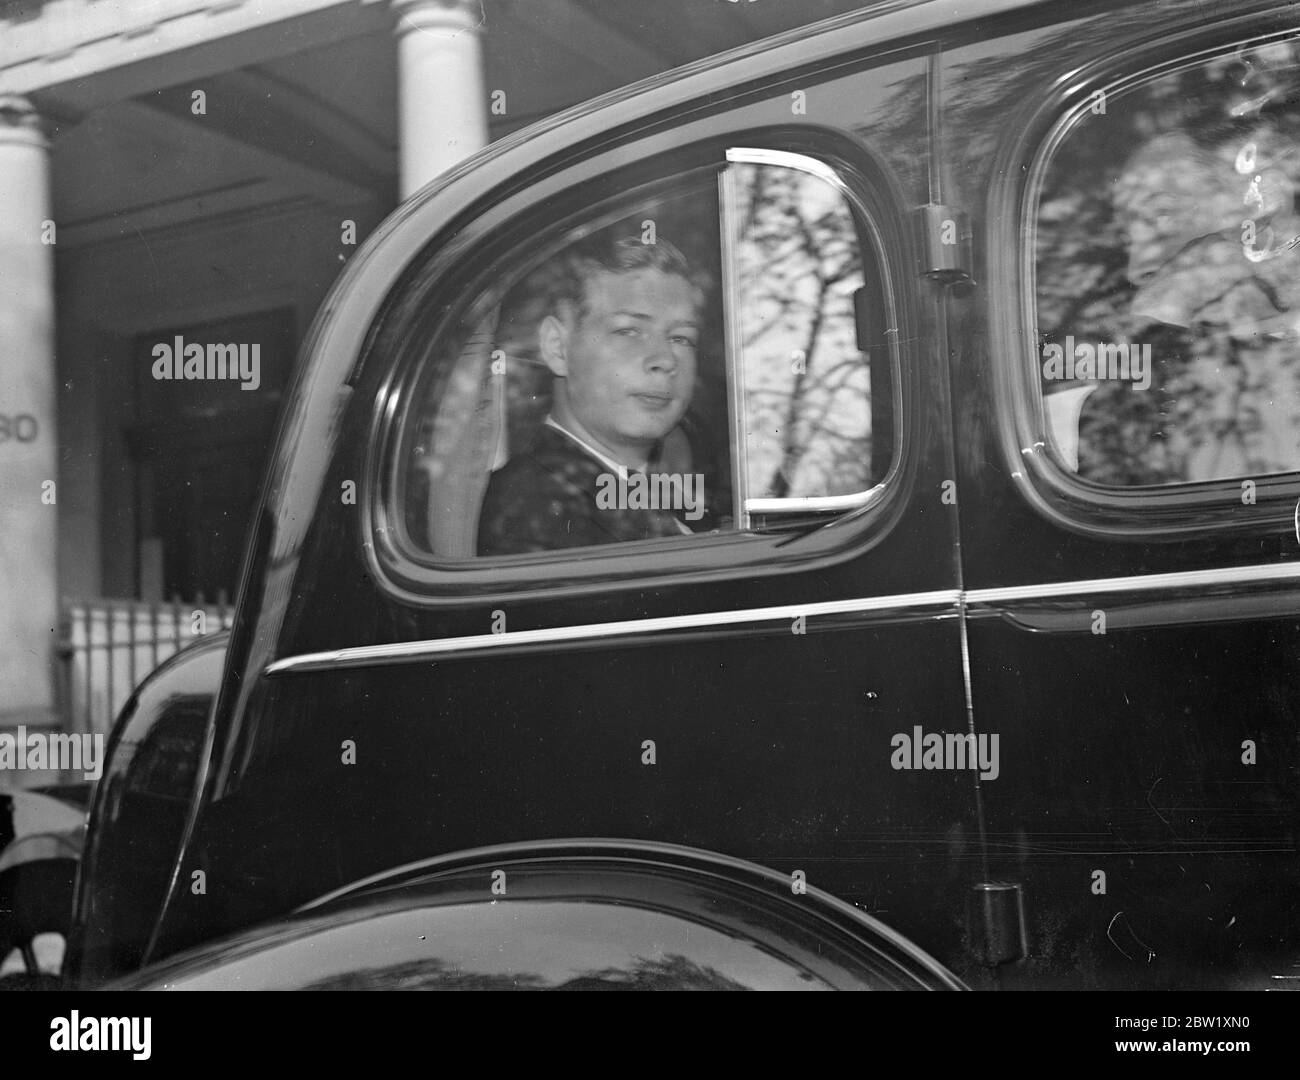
x=676 y=363
x=804 y=411
x=1167 y=283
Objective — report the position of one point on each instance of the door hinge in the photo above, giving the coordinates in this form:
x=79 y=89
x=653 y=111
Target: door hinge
x=945 y=243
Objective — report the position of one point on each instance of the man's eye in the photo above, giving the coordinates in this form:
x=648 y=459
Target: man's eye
x=628 y=331
x=684 y=341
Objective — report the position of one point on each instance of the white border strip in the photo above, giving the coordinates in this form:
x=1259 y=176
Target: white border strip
x=418 y=650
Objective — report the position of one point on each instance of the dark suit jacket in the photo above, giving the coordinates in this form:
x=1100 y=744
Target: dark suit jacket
x=544 y=499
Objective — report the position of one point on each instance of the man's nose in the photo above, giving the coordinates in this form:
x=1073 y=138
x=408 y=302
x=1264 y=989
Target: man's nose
x=661 y=356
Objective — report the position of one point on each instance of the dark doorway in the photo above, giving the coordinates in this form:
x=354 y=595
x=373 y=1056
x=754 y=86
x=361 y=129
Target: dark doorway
x=200 y=447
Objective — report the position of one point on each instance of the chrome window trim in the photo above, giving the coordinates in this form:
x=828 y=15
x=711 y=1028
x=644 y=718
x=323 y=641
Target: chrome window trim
x=948 y=603
x=734 y=353
x=1182 y=579
x=838 y=503
x=414 y=651
x=786 y=159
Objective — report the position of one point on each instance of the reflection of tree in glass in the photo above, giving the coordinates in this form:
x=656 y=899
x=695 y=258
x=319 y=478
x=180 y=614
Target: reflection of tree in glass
x=671 y=972
x=807 y=388
x=1143 y=238
x=1121 y=233
x=431 y=974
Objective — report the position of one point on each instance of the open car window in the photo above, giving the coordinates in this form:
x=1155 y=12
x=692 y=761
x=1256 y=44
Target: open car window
x=805 y=438
x=677 y=363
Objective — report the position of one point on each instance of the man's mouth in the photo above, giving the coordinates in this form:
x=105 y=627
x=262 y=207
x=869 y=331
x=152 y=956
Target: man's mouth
x=652 y=400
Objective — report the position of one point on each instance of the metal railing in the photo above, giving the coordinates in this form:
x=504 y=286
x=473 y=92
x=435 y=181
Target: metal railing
x=107 y=647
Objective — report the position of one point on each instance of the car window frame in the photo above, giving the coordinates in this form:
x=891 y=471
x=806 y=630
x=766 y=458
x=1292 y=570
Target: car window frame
x=1140 y=513
x=424 y=579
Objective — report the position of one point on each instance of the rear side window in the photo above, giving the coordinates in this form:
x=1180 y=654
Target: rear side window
x=674 y=364
x=1167 y=283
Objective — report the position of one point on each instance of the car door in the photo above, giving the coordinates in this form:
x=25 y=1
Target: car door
x=759 y=687
x=1130 y=418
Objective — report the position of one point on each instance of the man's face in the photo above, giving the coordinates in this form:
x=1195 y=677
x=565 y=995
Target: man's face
x=629 y=361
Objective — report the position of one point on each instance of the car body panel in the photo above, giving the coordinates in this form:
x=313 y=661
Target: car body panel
x=585 y=915
x=139 y=811
x=1123 y=750
x=775 y=749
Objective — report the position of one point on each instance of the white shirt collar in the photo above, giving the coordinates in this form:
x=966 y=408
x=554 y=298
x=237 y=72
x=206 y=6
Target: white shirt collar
x=620 y=469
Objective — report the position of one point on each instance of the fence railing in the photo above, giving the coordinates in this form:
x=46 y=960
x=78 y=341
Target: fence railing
x=107 y=646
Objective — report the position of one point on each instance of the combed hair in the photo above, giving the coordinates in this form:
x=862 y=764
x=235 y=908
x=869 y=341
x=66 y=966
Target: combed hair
x=616 y=250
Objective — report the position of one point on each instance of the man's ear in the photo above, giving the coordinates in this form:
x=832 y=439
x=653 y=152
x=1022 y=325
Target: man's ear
x=553 y=342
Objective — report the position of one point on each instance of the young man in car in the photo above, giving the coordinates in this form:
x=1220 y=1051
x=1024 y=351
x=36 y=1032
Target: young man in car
x=621 y=341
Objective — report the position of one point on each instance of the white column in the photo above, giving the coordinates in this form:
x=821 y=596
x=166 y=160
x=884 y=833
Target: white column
x=442 y=102
x=28 y=451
